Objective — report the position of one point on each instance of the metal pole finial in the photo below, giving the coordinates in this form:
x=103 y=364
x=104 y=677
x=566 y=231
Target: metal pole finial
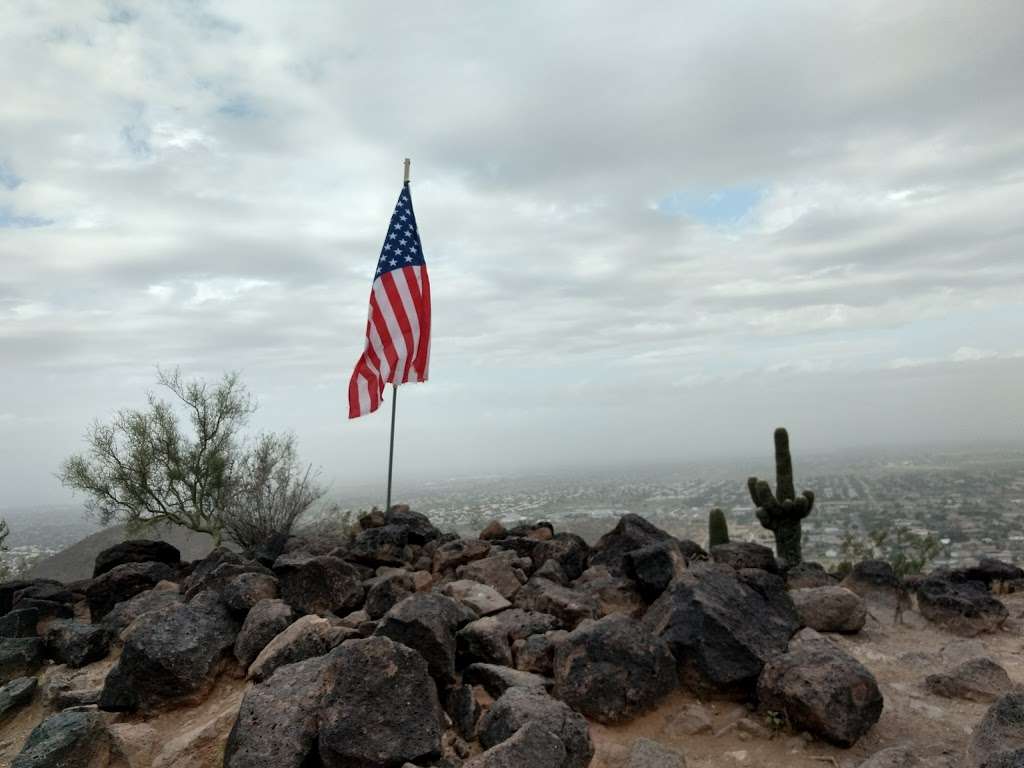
x=408 y=162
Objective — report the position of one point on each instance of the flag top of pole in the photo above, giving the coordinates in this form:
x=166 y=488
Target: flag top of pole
x=397 y=347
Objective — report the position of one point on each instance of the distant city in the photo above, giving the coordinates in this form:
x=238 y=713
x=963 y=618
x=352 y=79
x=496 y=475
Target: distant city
x=972 y=501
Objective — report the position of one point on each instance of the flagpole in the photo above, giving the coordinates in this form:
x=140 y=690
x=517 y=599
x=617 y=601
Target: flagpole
x=394 y=395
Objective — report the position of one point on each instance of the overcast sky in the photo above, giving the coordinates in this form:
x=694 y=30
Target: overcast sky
x=654 y=231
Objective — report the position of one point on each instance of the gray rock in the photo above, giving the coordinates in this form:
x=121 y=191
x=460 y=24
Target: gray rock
x=318 y=584
x=387 y=545
x=20 y=657
x=613 y=669
x=894 y=757
x=536 y=653
x=135 y=551
x=266 y=620
x=966 y=609
x=532 y=745
x=20 y=623
x=16 y=694
x=384 y=592
x=279 y=719
x=979 y=679
x=480 y=598
x=76 y=644
x=521 y=706
x=655 y=566
x=807 y=576
x=497 y=571
x=452 y=554
x=123 y=582
x=490 y=639
x=821 y=689
x=569 y=551
x=632 y=532
x=830 y=608
x=307 y=637
x=427 y=623
x=745 y=554
x=170 y=654
x=243 y=591
x=998 y=740
x=416 y=525
x=614 y=595
x=66 y=740
x=645 y=753
x=124 y=613
x=381 y=709
x=720 y=629
x=569 y=606
x=464 y=710
x=496 y=679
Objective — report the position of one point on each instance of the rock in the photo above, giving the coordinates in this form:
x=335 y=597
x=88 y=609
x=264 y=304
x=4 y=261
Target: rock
x=266 y=552
x=537 y=652
x=266 y=620
x=135 y=551
x=612 y=594
x=957 y=652
x=16 y=694
x=417 y=526
x=496 y=679
x=309 y=636
x=201 y=745
x=569 y=606
x=645 y=753
x=820 y=688
x=979 y=679
x=318 y=584
x=745 y=554
x=720 y=629
x=137 y=743
x=278 y=720
x=494 y=530
x=532 y=745
x=991 y=571
x=243 y=591
x=966 y=609
x=170 y=654
x=875 y=581
x=201 y=570
x=372 y=519
x=998 y=740
x=568 y=550
x=388 y=545
x=497 y=571
x=7 y=592
x=519 y=707
x=386 y=591
x=894 y=757
x=464 y=710
x=552 y=571
x=452 y=554
x=480 y=598
x=655 y=566
x=61 y=693
x=690 y=720
x=631 y=533
x=381 y=709
x=613 y=669
x=222 y=576
x=20 y=657
x=66 y=740
x=76 y=644
x=490 y=639
x=830 y=609
x=124 y=613
x=123 y=582
x=427 y=623
x=20 y=623
x=50 y=598
x=807 y=576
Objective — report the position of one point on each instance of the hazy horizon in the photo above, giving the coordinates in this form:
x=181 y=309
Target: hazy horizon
x=653 y=234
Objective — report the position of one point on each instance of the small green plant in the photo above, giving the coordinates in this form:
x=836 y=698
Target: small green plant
x=775 y=721
x=906 y=551
x=718 y=528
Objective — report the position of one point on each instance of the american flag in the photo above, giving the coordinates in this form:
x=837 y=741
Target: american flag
x=398 y=328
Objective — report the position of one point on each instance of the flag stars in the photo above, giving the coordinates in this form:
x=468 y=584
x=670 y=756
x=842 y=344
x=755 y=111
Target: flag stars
x=408 y=259
x=393 y=262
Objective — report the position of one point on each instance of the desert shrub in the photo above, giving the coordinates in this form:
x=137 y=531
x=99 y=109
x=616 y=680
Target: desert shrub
x=906 y=551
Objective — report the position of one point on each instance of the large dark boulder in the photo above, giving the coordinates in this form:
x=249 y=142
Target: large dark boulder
x=20 y=623
x=135 y=551
x=532 y=745
x=318 y=584
x=418 y=527
x=201 y=570
x=69 y=739
x=16 y=694
x=965 y=608
x=631 y=533
x=745 y=554
x=266 y=620
x=50 y=598
x=76 y=644
x=20 y=657
x=519 y=707
x=569 y=606
x=821 y=689
x=720 y=628
x=490 y=639
x=278 y=720
x=381 y=709
x=388 y=545
x=221 y=578
x=123 y=582
x=655 y=566
x=170 y=654
x=990 y=571
x=998 y=740
x=384 y=592
x=7 y=591
x=613 y=669
x=427 y=623
x=124 y=613
x=570 y=551
x=243 y=591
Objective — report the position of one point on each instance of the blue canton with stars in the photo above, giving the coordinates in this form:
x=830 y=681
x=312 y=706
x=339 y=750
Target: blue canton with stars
x=402 y=245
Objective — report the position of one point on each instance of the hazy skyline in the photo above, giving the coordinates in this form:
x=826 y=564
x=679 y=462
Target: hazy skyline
x=654 y=232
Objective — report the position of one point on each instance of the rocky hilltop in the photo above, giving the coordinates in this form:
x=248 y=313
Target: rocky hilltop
x=403 y=646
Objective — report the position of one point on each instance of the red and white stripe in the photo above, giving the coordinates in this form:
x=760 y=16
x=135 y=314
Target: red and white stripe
x=397 y=347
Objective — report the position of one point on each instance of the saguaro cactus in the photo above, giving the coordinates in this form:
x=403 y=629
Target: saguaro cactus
x=782 y=512
x=718 y=528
